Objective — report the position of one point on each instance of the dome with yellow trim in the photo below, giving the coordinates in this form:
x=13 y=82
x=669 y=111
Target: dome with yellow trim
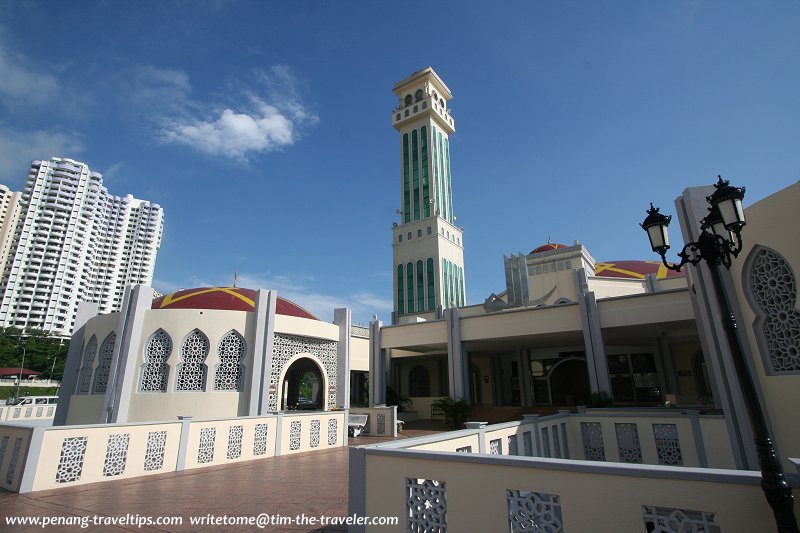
x=632 y=269
x=225 y=299
x=548 y=247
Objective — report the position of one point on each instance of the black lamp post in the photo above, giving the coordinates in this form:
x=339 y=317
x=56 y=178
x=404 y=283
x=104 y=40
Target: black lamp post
x=720 y=239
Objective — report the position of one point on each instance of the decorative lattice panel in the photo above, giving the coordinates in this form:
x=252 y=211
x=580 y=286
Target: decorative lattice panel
x=527 y=443
x=668 y=520
x=51 y=411
x=287 y=346
x=496 y=447
x=333 y=430
x=464 y=449
x=260 y=440
x=70 y=465
x=630 y=450
x=512 y=445
x=230 y=369
x=154 y=454
x=668 y=445
x=104 y=365
x=556 y=442
x=28 y=412
x=774 y=291
x=314 y=440
x=426 y=507
x=116 y=454
x=192 y=368
x=381 y=424
x=155 y=369
x=294 y=436
x=39 y=411
x=85 y=376
x=3 y=447
x=208 y=438
x=533 y=512
x=17 y=412
x=12 y=466
x=235 y=434
x=546 y=442
x=592 y=437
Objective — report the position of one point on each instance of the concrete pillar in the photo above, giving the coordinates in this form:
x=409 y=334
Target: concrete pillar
x=261 y=367
x=594 y=346
x=72 y=365
x=377 y=365
x=344 y=319
x=456 y=357
x=123 y=373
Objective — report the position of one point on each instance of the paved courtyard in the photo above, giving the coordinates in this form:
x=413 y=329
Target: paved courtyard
x=313 y=484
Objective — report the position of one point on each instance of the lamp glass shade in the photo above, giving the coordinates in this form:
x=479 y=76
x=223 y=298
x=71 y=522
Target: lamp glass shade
x=732 y=213
x=659 y=237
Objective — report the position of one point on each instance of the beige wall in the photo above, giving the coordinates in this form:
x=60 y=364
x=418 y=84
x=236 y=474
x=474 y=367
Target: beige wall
x=359 y=354
x=771 y=223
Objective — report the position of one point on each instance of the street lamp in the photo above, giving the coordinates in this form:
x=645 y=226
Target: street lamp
x=21 y=367
x=719 y=240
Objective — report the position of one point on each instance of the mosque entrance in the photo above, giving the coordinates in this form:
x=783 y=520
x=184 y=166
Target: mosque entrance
x=303 y=386
x=569 y=382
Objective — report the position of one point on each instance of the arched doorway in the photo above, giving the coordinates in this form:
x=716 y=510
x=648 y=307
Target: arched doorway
x=569 y=383
x=303 y=386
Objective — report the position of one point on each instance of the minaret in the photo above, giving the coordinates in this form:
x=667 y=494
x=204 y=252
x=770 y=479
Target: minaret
x=428 y=247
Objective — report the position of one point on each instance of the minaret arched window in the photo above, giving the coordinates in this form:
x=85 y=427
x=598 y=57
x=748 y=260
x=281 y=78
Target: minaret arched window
x=410 y=286
x=420 y=286
x=431 y=286
x=155 y=369
x=418 y=95
x=192 y=369
x=85 y=376
x=409 y=100
x=401 y=302
x=229 y=371
x=104 y=366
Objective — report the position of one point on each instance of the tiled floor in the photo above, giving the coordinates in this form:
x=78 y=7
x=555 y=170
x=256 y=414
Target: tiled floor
x=313 y=484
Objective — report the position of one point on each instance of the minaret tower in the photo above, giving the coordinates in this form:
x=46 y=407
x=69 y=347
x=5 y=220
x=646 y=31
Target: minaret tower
x=428 y=247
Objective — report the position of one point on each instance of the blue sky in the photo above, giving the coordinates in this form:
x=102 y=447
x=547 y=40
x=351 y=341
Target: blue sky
x=264 y=128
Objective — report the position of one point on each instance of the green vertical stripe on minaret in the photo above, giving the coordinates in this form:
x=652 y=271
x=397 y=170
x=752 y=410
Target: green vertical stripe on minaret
x=410 y=286
x=406 y=183
x=431 y=286
x=442 y=190
x=415 y=168
x=438 y=194
x=401 y=307
x=420 y=286
x=426 y=195
x=444 y=283
x=461 y=280
x=449 y=183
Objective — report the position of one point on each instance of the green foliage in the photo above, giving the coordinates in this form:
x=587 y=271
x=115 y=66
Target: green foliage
x=403 y=403
x=40 y=348
x=600 y=399
x=456 y=412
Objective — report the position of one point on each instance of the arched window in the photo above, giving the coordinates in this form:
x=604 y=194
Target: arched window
x=418 y=95
x=192 y=368
x=426 y=193
x=229 y=371
x=409 y=100
x=398 y=116
x=431 y=286
x=401 y=300
x=419 y=381
x=409 y=236
x=85 y=377
x=155 y=370
x=420 y=286
x=419 y=232
x=773 y=297
x=410 y=286
x=416 y=108
x=406 y=181
x=429 y=230
x=104 y=366
x=424 y=105
x=400 y=238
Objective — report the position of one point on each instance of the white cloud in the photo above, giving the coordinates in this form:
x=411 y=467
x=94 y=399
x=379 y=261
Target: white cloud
x=267 y=113
x=24 y=87
x=17 y=149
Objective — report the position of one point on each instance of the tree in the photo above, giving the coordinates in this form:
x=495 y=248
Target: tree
x=40 y=350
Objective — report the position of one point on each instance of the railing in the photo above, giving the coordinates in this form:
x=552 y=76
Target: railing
x=72 y=455
x=598 y=471
x=15 y=413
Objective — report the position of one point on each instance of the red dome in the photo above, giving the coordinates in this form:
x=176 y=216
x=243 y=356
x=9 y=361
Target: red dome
x=549 y=246
x=226 y=299
x=633 y=269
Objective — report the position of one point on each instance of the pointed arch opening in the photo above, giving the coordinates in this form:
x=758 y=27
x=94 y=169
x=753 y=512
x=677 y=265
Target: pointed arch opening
x=192 y=369
x=229 y=370
x=155 y=370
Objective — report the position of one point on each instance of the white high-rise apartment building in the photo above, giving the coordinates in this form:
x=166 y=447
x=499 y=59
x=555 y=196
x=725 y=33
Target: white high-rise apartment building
x=75 y=242
x=9 y=217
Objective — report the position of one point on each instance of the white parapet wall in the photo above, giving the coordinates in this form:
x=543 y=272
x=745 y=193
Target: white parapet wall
x=381 y=420
x=38 y=458
x=18 y=413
